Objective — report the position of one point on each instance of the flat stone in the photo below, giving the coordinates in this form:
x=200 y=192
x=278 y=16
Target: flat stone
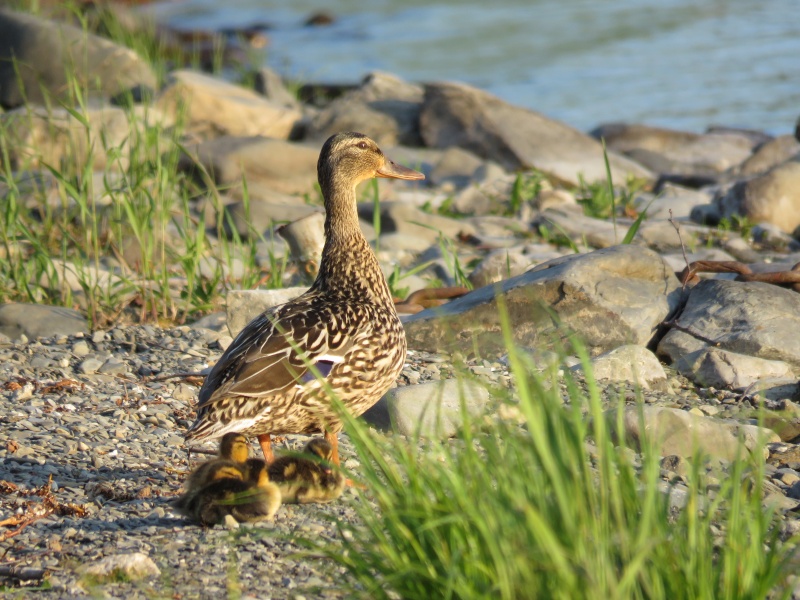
x=499 y=265
x=433 y=409
x=609 y=297
x=750 y=318
x=723 y=369
x=403 y=218
x=629 y=363
x=245 y=305
x=677 y=432
x=213 y=107
x=38 y=320
x=133 y=566
x=678 y=199
x=282 y=167
x=677 y=152
x=456 y=114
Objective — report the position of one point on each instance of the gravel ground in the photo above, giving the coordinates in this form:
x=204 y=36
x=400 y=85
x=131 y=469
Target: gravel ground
x=91 y=416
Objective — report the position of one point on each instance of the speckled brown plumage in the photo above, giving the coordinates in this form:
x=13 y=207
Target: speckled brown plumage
x=343 y=334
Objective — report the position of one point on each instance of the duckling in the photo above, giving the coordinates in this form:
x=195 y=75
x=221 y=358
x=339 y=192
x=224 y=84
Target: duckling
x=229 y=464
x=303 y=481
x=233 y=452
x=252 y=499
x=341 y=338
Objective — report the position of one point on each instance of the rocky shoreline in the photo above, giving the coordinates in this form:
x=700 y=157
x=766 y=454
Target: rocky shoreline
x=515 y=206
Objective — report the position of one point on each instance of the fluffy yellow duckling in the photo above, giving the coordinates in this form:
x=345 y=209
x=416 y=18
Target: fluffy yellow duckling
x=251 y=499
x=233 y=452
x=302 y=480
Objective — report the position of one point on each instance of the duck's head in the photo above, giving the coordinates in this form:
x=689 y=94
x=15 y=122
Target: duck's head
x=233 y=446
x=349 y=158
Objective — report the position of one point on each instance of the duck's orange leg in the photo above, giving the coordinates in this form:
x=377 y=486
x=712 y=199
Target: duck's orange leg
x=265 y=442
x=333 y=440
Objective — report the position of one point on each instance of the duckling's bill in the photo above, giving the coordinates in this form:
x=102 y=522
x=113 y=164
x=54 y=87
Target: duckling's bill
x=392 y=170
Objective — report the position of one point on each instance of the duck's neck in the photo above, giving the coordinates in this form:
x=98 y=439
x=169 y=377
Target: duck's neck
x=349 y=267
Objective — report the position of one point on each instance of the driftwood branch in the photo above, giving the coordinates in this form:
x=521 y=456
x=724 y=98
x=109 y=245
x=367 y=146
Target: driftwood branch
x=21 y=573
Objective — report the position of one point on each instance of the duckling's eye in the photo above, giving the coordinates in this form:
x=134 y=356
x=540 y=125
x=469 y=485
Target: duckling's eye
x=362 y=145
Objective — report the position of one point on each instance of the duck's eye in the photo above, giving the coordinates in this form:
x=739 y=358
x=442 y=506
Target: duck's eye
x=362 y=145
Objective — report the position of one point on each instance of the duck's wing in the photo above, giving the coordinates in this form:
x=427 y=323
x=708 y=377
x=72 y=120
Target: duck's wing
x=275 y=352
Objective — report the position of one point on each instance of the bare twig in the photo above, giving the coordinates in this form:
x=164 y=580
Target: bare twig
x=683 y=246
x=174 y=376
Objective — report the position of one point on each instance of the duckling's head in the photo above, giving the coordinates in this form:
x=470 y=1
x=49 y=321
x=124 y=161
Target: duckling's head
x=256 y=472
x=321 y=448
x=233 y=446
x=348 y=158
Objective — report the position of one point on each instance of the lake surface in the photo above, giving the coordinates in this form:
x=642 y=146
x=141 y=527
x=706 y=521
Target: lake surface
x=685 y=64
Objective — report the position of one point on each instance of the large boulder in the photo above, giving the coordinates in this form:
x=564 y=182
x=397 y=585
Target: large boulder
x=267 y=165
x=101 y=135
x=212 y=107
x=678 y=152
x=773 y=197
x=609 y=297
x=456 y=114
x=750 y=318
x=40 y=59
x=384 y=107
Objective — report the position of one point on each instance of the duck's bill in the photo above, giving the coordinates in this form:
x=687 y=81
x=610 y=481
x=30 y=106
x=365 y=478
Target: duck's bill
x=394 y=171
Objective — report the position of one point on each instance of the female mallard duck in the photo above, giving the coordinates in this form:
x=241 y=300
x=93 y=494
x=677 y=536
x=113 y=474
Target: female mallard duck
x=253 y=498
x=302 y=480
x=343 y=335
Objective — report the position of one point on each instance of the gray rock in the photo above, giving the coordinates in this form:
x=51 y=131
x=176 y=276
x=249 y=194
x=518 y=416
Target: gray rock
x=245 y=305
x=384 y=107
x=455 y=114
x=212 y=107
x=268 y=83
x=268 y=165
x=42 y=136
x=570 y=221
x=256 y=219
x=680 y=200
x=723 y=369
x=677 y=152
x=629 y=363
x=402 y=218
x=773 y=197
x=133 y=566
x=456 y=168
x=772 y=237
x=769 y=155
x=433 y=409
x=44 y=49
x=755 y=319
x=499 y=265
x=681 y=433
x=660 y=235
x=38 y=320
x=610 y=297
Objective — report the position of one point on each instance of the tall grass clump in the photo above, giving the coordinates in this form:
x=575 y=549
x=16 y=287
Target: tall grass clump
x=553 y=506
x=98 y=213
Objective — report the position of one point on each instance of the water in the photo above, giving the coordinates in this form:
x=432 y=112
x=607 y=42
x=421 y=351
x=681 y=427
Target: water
x=685 y=64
